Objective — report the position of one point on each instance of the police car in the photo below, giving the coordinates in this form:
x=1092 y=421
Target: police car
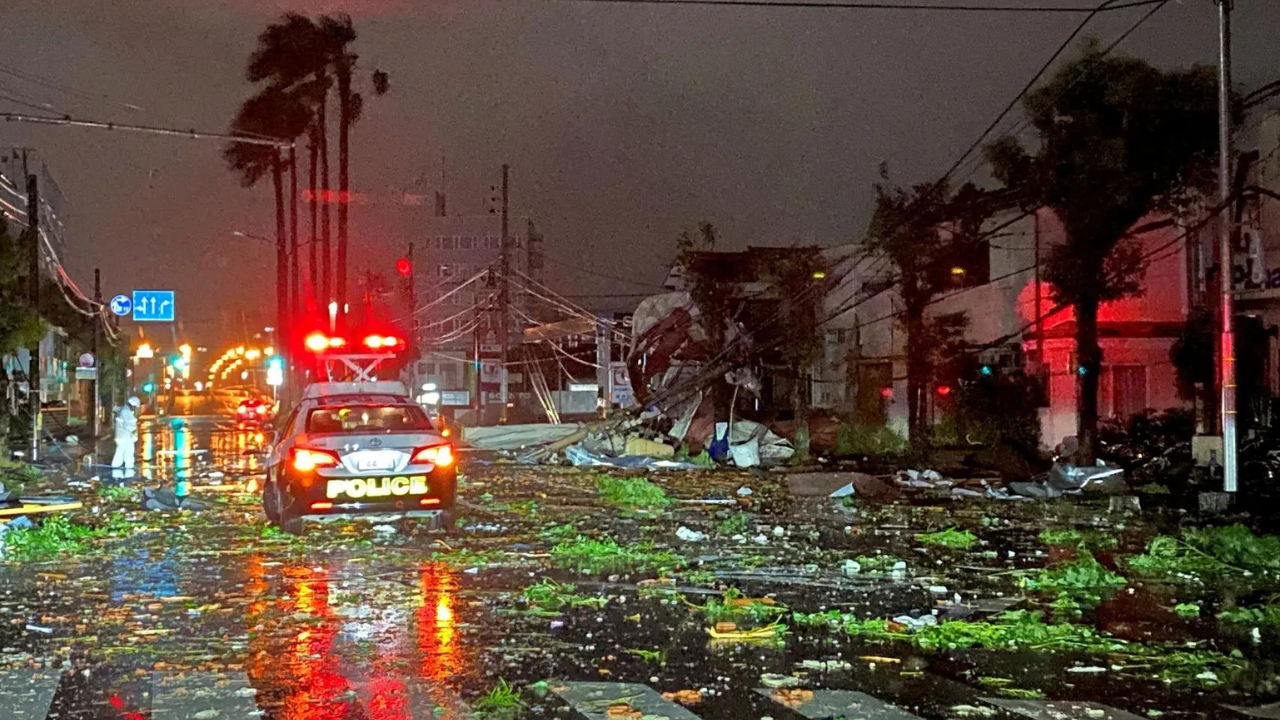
x=359 y=449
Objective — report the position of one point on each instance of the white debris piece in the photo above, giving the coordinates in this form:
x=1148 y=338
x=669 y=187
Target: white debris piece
x=689 y=535
x=779 y=531
x=745 y=492
x=384 y=529
x=760 y=539
x=916 y=623
x=852 y=567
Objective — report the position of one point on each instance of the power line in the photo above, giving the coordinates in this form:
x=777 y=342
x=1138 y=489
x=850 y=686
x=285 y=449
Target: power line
x=148 y=129
x=26 y=103
x=868 y=5
x=1104 y=6
x=602 y=275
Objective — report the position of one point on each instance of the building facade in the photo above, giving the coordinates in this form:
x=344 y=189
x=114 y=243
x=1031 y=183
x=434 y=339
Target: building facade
x=58 y=385
x=457 y=278
x=1014 y=325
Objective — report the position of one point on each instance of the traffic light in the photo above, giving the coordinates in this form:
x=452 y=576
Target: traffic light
x=944 y=390
x=148 y=387
x=404 y=267
x=275 y=371
x=986 y=370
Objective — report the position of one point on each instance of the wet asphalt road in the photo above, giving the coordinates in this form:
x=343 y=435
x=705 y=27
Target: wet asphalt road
x=206 y=616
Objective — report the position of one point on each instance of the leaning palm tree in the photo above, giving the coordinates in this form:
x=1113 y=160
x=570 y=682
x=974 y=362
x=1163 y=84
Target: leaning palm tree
x=293 y=57
x=272 y=113
x=339 y=34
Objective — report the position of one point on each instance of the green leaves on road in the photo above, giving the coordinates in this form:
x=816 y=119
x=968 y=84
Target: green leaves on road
x=950 y=538
x=597 y=556
x=632 y=495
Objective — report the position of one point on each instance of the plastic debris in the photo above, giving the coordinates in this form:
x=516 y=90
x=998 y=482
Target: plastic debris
x=384 y=529
x=826 y=665
x=773 y=680
x=914 y=624
x=745 y=491
x=852 y=567
x=689 y=535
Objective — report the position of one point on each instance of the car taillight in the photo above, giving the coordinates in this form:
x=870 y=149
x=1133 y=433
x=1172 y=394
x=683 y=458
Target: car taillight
x=307 y=459
x=438 y=455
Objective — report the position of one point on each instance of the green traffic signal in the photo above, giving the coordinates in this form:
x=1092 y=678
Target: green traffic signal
x=148 y=387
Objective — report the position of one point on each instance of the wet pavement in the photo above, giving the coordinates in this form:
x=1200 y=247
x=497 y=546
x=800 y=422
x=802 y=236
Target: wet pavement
x=214 y=615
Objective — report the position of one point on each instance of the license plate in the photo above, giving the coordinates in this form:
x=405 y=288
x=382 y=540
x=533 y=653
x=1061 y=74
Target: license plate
x=358 y=488
x=375 y=463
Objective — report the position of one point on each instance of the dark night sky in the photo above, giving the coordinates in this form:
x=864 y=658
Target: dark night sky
x=623 y=124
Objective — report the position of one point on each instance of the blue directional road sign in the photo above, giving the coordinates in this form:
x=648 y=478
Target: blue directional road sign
x=153 y=305
x=121 y=305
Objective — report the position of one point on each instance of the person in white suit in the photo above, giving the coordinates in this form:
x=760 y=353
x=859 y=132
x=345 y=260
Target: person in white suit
x=126 y=427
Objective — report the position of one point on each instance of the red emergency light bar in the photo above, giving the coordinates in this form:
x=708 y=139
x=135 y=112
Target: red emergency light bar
x=318 y=342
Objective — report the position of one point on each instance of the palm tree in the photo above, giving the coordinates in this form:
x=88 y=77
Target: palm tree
x=292 y=59
x=339 y=33
x=272 y=113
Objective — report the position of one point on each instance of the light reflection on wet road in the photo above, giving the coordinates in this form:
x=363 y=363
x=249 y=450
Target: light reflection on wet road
x=324 y=636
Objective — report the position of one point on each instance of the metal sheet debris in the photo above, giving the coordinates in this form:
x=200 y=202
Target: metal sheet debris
x=1060 y=710
x=594 y=700
x=830 y=704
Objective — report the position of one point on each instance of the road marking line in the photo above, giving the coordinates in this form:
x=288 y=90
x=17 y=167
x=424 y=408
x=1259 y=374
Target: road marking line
x=593 y=699
x=28 y=694
x=226 y=696
x=825 y=704
x=1060 y=710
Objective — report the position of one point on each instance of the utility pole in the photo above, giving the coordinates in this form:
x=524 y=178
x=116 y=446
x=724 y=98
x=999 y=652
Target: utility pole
x=504 y=297
x=295 y=263
x=97 y=361
x=411 y=294
x=33 y=370
x=604 y=365
x=282 y=249
x=1039 y=315
x=1227 y=366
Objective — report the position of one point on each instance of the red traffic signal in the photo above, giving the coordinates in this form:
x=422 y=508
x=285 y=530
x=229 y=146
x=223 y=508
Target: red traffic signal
x=404 y=267
x=944 y=390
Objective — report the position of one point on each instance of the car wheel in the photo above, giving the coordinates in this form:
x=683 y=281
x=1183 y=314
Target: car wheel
x=291 y=523
x=271 y=501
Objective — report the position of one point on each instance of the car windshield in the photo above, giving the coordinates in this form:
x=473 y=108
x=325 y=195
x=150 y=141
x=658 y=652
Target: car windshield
x=367 y=419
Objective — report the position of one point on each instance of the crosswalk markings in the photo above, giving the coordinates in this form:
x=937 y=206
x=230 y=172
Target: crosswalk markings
x=827 y=704
x=1061 y=710
x=1266 y=712
x=28 y=694
x=184 y=696
x=593 y=700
